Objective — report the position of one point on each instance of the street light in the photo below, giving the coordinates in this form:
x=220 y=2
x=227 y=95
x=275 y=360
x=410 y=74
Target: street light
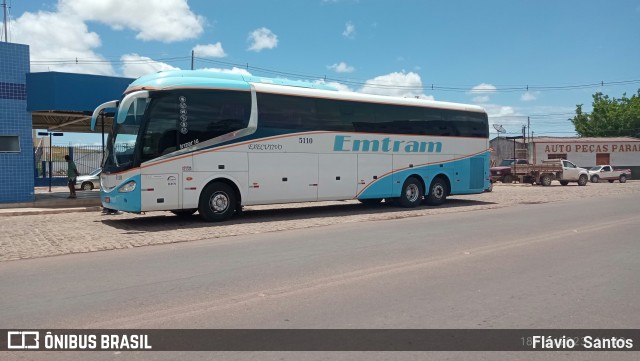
x=50 y=134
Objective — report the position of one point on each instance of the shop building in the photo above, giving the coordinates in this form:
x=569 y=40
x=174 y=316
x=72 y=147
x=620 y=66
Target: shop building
x=620 y=152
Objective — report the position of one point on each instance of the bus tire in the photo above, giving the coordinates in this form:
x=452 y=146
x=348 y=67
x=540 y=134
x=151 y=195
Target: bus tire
x=217 y=202
x=438 y=191
x=411 y=194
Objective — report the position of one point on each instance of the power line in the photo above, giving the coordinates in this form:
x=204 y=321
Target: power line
x=348 y=82
x=102 y=61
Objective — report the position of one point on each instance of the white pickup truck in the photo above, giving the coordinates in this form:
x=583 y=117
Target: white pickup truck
x=606 y=172
x=557 y=169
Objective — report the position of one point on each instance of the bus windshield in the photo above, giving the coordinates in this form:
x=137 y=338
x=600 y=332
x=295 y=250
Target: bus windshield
x=121 y=145
x=155 y=124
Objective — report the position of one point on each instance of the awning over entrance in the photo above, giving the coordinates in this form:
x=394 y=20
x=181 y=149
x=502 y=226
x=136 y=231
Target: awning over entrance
x=64 y=101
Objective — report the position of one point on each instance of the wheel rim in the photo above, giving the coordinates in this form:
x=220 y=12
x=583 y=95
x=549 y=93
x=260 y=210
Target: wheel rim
x=437 y=191
x=412 y=193
x=219 y=202
x=86 y=187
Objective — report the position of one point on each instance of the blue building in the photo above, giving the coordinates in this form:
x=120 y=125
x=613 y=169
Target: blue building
x=16 y=144
x=60 y=102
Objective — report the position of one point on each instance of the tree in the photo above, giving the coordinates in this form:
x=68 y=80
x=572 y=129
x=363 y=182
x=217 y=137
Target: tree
x=610 y=117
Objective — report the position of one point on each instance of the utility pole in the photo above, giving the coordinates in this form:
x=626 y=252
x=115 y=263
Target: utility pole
x=524 y=141
x=6 y=33
x=192 y=58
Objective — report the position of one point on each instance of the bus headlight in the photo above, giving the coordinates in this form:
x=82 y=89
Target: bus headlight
x=130 y=186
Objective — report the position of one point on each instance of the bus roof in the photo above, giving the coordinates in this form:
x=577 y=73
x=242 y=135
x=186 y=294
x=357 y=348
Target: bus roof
x=206 y=78
x=211 y=79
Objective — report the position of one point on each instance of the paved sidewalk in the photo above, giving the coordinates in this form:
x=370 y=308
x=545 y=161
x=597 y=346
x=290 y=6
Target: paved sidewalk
x=53 y=202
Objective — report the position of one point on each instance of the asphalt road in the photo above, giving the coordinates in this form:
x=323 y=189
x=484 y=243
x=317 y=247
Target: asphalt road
x=571 y=264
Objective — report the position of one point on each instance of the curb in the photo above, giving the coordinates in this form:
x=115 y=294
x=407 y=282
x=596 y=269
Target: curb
x=37 y=211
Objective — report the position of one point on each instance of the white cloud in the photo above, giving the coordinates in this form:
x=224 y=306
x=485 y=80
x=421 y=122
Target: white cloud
x=481 y=99
x=342 y=67
x=349 y=31
x=262 y=38
x=56 y=41
x=210 y=50
x=529 y=96
x=495 y=110
x=167 y=21
x=504 y=115
x=339 y=86
x=483 y=88
x=407 y=85
x=233 y=70
x=136 y=66
x=59 y=37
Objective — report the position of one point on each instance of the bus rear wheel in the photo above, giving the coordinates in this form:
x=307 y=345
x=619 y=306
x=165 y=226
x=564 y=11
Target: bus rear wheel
x=438 y=192
x=217 y=202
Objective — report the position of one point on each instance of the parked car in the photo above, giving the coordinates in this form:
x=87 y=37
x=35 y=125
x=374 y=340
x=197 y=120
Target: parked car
x=502 y=172
x=89 y=181
x=608 y=173
x=553 y=169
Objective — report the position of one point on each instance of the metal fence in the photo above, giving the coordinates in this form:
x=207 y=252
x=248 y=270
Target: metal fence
x=50 y=160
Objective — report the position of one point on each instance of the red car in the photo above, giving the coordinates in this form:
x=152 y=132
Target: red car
x=502 y=172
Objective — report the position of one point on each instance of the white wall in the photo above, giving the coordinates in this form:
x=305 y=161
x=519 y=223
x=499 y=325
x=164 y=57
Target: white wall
x=584 y=154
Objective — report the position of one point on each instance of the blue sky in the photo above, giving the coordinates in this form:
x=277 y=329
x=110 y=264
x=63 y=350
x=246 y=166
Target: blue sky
x=479 y=52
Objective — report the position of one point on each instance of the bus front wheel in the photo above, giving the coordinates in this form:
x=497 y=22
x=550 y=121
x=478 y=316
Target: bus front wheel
x=411 y=193
x=217 y=202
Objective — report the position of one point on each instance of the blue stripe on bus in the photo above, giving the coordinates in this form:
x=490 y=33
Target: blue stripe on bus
x=457 y=171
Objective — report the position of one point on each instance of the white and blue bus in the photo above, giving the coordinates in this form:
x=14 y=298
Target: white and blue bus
x=187 y=141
